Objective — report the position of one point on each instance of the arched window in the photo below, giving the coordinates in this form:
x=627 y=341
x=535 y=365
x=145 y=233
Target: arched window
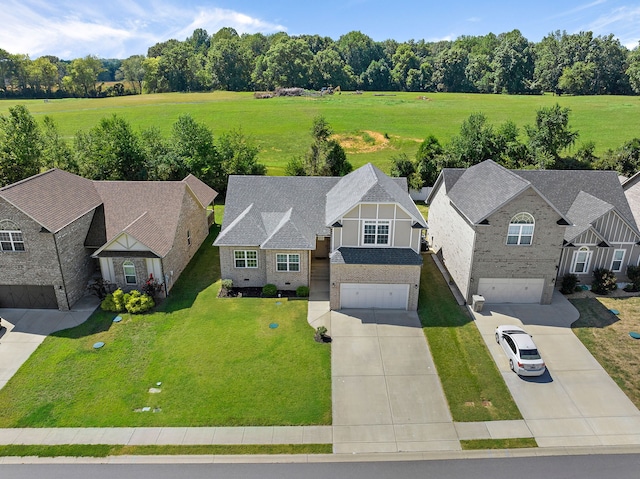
x=11 y=238
x=521 y=229
x=129 y=272
x=581 y=260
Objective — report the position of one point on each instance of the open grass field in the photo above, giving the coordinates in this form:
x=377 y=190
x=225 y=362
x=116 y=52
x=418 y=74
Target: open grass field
x=219 y=362
x=471 y=381
x=606 y=335
x=373 y=127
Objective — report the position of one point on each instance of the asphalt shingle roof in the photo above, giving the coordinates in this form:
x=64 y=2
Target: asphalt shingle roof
x=288 y=212
x=390 y=256
x=581 y=196
x=54 y=198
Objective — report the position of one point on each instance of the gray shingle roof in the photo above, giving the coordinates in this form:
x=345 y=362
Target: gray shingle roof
x=54 y=198
x=369 y=185
x=483 y=188
x=479 y=190
x=390 y=256
x=288 y=212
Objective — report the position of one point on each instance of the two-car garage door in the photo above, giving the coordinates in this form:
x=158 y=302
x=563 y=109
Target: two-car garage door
x=381 y=296
x=511 y=290
x=28 y=296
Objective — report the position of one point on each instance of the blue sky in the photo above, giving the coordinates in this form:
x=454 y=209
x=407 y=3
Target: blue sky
x=120 y=28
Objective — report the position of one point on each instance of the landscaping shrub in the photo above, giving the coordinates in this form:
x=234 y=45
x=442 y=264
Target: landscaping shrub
x=569 y=284
x=114 y=302
x=269 y=290
x=152 y=287
x=302 y=291
x=604 y=281
x=137 y=302
x=633 y=273
x=227 y=283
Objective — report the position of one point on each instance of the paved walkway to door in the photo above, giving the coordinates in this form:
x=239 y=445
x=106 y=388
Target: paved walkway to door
x=387 y=396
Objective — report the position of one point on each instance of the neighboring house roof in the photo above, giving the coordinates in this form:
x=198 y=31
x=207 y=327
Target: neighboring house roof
x=289 y=212
x=390 y=256
x=54 y=199
x=579 y=196
x=149 y=211
x=203 y=193
x=368 y=185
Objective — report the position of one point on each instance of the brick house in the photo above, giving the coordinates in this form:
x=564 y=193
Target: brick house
x=57 y=230
x=512 y=235
x=364 y=225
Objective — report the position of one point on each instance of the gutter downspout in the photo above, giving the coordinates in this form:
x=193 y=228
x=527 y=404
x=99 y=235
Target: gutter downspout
x=64 y=283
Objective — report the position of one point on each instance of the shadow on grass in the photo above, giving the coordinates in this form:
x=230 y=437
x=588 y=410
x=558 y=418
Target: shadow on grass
x=437 y=307
x=593 y=314
x=201 y=273
x=99 y=322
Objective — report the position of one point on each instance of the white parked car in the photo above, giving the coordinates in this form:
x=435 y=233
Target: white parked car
x=524 y=358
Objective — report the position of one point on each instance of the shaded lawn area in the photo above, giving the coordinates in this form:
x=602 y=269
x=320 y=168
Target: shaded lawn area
x=472 y=383
x=606 y=336
x=219 y=363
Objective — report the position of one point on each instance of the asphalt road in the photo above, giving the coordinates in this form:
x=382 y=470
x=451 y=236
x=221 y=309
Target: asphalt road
x=554 y=467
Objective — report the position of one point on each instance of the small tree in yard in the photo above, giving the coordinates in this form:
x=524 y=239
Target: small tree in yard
x=633 y=273
x=604 y=281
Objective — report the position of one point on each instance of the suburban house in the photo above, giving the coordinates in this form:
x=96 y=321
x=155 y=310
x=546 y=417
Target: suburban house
x=57 y=230
x=510 y=235
x=364 y=225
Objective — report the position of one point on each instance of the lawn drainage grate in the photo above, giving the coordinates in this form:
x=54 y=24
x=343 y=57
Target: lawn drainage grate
x=273 y=325
x=117 y=319
x=98 y=345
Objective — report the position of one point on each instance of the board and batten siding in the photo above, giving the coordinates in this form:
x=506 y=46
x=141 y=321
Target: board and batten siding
x=618 y=235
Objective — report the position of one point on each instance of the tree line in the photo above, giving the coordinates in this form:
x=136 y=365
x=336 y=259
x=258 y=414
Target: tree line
x=578 y=64
x=113 y=150
x=548 y=143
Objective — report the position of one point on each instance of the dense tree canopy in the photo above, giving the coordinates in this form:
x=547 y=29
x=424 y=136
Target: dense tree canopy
x=578 y=63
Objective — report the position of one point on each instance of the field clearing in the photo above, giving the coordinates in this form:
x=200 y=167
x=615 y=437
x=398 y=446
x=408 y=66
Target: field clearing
x=280 y=126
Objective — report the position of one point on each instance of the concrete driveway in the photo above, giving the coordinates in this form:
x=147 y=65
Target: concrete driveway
x=387 y=396
x=23 y=330
x=575 y=403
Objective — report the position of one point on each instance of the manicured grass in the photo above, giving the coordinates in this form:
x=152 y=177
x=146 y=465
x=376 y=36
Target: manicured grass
x=103 y=450
x=280 y=126
x=472 y=384
x=480 y=444
x=606 y=336
x=219 y=363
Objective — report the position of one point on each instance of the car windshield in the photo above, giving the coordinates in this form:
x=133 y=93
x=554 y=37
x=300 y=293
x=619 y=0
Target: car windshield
x=529 y=354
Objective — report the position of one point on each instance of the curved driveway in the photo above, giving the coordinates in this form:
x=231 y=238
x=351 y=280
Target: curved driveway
x=575 y=403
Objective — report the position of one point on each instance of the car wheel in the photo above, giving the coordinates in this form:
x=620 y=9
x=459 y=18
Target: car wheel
x=511 y=365
x=497 y=338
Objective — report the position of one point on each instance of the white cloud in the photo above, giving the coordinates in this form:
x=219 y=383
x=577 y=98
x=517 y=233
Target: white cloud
x=114 y=29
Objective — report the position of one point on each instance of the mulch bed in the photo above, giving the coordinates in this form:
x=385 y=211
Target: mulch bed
x=252 y=293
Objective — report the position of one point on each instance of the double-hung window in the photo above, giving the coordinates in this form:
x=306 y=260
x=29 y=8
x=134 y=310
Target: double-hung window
x=11 y=238
x=246 y=259
x=376 y=232
x=129 y=272
x=288 y=262
x=618 y=258
x=521 y=229
x=581 y=260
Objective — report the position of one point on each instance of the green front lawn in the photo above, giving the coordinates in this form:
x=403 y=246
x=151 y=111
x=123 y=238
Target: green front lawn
x=471 y=381
x=606 y=336
x=217 y=359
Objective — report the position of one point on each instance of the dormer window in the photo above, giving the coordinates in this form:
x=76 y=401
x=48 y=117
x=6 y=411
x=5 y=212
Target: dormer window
x=376 y=232
x=11 y=238
x=521 y=229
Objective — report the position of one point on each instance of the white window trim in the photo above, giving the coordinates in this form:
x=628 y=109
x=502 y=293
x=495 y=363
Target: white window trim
x=377 y=223
x=613 y=260
x=587 y=261
x=288 y=263
x=129 y=264
x=244 y=258
x=519 y=235
x=12 y=229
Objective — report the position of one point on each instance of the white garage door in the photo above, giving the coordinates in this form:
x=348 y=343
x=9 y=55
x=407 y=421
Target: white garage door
x=382 y=296
x=511 y=290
